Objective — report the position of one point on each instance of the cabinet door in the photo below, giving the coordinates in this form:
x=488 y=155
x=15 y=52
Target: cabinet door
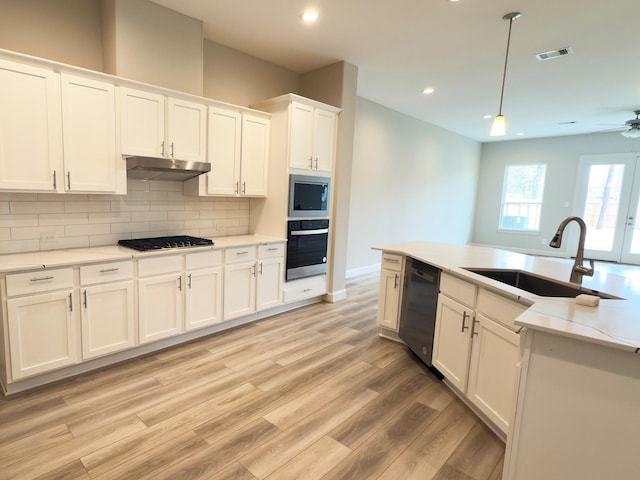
x=493 y=369
x=186 y=130
x=160 y=307
x=239 y=290
x=255 y=155
x=30 y=128
x=269 y=287
x=324 y=140
x=89 y=135
x=389 y=299
x=452 y=341
x=141 y=123
x=42 y=333
x=203 y=298
x=300 y=136
x=223 y=154
x=107 y=319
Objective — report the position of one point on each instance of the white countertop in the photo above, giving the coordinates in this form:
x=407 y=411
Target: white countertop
x=74 y=256
x=614 y=323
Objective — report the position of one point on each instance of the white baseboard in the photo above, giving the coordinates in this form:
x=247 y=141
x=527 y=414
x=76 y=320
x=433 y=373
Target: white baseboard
x=354 y=272
x=333 y=297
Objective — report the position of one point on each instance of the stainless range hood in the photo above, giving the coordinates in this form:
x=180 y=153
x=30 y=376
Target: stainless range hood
x=151 y=168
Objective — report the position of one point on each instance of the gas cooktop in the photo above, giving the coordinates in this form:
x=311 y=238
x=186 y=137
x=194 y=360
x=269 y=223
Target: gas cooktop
x=158 y=243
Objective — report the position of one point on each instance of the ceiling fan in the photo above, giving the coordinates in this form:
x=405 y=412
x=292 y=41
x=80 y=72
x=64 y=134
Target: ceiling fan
x=632 y=129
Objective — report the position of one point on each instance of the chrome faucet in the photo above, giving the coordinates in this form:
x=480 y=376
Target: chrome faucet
x=578 y=270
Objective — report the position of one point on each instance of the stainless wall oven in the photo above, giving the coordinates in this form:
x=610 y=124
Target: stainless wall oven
x=306 y=248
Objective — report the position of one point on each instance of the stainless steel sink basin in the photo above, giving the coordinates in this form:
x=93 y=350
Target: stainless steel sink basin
x=542 y=286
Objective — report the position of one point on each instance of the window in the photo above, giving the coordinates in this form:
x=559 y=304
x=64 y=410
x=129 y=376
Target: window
x=522 y=197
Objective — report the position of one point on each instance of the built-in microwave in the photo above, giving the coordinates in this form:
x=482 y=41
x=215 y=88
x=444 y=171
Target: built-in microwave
x=309 y=196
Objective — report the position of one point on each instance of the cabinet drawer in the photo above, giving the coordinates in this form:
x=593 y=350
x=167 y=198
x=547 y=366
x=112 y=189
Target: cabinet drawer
x=159 y=265
x=305 y=288
x=271 y=251
x=391 y=261
x=39 y=281
x=240 y=254
x=458 y=289
x=499 y=308
x=106 y=272
x=196 y=260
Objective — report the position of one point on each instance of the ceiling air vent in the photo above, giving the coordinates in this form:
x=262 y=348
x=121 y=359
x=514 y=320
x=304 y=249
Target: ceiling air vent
x=554 y=53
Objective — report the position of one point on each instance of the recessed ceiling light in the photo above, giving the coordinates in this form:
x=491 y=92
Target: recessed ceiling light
x=520 y=134
x=486 y=117
x=309 y=16
x=428 y=90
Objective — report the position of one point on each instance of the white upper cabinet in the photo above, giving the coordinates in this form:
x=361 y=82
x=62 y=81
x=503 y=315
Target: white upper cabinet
x=238 y=151
x=30 y=128
x=156 y=126
x=312 y=137
x=89 y=135
x=255 y=156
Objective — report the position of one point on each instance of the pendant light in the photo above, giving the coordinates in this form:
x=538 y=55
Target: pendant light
x=499 y=127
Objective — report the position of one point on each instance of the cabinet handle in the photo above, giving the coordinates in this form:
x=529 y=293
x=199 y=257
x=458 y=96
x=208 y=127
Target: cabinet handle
x=307 y=289
x=162 y=148
x=180 y=283
x=41 y=279
x=237 y=184
x=260 y=268
x=272 y=249
x=55 y=183
x=107 y=270
x=253 y=270
x=171 y=149
x=69 y=180
x=473 y=326
x=84 y=294
x=311 y=163
x=392 y=260
x=70 y=303
x=395 y=281
x=464 y=320
x=242 y=253
x=244 y=188
x=189 y=276
x=316 y=163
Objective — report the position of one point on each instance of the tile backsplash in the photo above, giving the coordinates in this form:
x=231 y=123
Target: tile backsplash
x=34 y=221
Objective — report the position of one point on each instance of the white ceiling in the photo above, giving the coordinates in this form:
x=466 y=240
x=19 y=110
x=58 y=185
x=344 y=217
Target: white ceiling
x=402 y=46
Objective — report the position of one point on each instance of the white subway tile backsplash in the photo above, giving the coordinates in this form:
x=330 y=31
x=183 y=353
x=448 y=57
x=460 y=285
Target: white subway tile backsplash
x=92 y=229
x=88 y=206
x=48 y=221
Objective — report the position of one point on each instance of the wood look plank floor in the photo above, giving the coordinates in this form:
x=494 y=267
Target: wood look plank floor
x=310 y=394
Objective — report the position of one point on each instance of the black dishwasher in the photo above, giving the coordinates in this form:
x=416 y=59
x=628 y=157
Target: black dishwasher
x=418 y=314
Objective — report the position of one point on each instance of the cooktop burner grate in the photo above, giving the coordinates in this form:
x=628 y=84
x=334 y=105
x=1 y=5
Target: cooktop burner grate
x=158 y=243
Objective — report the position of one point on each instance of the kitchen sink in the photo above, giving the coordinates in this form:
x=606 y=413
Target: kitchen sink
x=542 y=286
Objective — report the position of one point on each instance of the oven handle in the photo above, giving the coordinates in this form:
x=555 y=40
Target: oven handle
x=297 y=233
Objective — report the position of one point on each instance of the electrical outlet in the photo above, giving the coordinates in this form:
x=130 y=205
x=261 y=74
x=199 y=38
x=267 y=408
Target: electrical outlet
x=48 y=237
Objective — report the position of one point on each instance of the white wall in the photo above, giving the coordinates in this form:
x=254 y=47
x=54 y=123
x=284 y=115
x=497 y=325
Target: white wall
x=410 y=181
x=562 y=155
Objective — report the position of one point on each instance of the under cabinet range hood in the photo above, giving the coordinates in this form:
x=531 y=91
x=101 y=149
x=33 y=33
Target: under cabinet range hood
x=152 y=168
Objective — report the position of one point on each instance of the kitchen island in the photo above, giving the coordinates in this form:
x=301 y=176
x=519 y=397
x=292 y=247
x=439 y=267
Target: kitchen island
x=577 y=386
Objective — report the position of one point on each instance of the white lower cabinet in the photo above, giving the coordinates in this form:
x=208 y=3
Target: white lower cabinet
x=160 y=287
x=452 y=341
x=390 y=291
x=203 y=292
x=42 y=333
x=253 y=279
x=477 y=347
x=493 y=369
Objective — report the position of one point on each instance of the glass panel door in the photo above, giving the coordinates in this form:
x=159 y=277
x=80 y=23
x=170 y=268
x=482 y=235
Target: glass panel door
x=603 y=191
x=631 y=243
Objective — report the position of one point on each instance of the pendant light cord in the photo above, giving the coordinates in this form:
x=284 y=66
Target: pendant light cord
x=506 y=59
